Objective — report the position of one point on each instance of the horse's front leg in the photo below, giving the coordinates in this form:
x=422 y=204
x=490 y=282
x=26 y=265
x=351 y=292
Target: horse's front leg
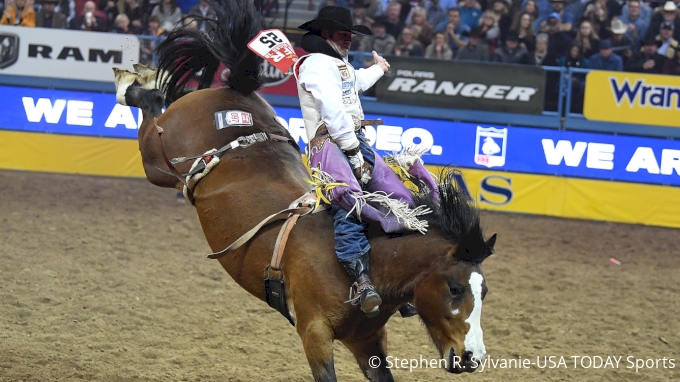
x=371 y=354
x=317 y=339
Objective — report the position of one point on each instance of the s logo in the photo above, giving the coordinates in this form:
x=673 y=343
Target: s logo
x=496 y=190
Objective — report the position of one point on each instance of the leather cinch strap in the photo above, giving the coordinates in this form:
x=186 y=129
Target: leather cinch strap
x=283 y=214
x=281 y=241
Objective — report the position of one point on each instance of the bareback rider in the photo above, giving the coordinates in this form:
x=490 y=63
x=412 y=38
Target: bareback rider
x=328 y=88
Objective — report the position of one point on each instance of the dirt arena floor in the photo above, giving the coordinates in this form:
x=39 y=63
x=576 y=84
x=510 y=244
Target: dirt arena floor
x=106 y=280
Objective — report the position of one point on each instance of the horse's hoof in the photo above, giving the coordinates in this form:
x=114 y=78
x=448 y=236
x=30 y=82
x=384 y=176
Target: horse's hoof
x=407 y=310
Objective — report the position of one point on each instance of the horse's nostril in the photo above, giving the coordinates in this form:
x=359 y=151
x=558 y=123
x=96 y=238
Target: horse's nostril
x=467 y=360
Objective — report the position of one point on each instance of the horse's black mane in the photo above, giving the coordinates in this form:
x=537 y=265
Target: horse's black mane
x=456 y=215
x=187 y=52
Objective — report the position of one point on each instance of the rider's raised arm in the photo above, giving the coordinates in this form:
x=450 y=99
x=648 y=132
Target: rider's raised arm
x=322 y=78
x=368 y=77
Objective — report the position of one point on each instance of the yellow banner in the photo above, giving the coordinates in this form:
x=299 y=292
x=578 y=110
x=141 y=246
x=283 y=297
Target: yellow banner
x=646 y=99
x=574 y=198
x=70 y=154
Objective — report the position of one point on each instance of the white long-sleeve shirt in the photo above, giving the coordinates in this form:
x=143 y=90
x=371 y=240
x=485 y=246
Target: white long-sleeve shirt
x=331 y=97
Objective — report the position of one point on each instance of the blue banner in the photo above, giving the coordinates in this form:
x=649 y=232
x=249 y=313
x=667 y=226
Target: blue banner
x=517 y=149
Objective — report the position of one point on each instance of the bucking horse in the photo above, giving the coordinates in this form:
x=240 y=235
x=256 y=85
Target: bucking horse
x=239 y=175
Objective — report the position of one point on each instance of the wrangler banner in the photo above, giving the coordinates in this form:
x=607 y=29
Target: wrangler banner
x=463 y=85
x=646 y=99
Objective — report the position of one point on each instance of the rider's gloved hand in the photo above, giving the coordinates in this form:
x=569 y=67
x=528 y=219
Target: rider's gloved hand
x=362 y=169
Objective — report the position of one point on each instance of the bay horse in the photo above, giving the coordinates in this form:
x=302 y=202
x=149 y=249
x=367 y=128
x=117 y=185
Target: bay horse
x=440 y=272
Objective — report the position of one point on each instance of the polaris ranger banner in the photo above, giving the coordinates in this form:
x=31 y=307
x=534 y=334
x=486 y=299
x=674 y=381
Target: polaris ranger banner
x=463 y=85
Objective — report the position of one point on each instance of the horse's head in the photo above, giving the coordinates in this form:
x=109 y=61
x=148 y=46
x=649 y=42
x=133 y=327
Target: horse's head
x=449 y=295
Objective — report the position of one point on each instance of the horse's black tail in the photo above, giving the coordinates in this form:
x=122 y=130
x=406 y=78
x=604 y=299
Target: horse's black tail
x=188 y=52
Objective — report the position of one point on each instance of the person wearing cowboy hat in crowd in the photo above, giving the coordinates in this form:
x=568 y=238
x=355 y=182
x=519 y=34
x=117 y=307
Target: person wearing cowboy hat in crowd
x=328 y=88
x=667 y=44
x=566 y=18
x=668 y=13
x=648 y=60
x=621 y=43
x=48 y=18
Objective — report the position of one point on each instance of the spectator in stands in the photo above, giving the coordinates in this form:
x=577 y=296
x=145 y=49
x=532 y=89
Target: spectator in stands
x=200 y=12
x=648 y=60
x=587 y=39
x=469 y=13
x=644 y=13
x=621 y=43
x=372 y=8
x=393 y=23
x=510 y=53
x=110 y=9
x=454 y=30
x=575 y=59
x=148 y=45
x=48 y=18
x=530 y=8
x=435 y=13
x=500 y=9
x=381 y=41
x=476 y=49
x=540 y=56
x=440 y=48
x=488 y=29
x=667 y=13
x=360 y=17
x=636 y=25
x=168 y=14
x=422 y=30
x=667 y=44
x=19 y=13
x=672 y=66
x=88 y=21
x=525 y=30
x=606 y=60
x=566 y=18
x=559 y=39
x=133 y=11
x=122 y=24
x=406 y=11
x=598 y=15
x=407 y=45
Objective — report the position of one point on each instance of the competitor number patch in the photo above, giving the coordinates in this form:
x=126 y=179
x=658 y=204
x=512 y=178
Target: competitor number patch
x=226 y=118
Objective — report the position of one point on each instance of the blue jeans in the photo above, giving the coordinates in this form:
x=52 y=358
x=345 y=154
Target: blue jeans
x=350 y=234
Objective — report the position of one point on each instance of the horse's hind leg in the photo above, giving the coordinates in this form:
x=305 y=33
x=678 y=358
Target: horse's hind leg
x=371 y=354
x=317 y=339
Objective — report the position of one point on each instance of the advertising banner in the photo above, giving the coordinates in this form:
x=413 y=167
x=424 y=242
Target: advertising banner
x=463 y=85
x=65 y=54
x=518 y=149
x=645 y=99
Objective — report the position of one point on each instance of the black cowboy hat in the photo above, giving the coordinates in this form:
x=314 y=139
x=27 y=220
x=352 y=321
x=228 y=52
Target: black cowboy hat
x=337 y=18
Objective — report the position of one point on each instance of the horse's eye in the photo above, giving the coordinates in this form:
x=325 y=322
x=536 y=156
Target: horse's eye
x=457 y=291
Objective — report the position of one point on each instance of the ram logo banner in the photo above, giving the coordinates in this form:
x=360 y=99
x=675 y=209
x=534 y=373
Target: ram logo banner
x=9 y=49
x=463 y=85
x=632 y=98
x=65 y=54
x=490 y=146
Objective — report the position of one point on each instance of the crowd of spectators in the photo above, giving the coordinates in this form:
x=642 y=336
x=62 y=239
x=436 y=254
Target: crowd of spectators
x=619 y=35
x=139 y=17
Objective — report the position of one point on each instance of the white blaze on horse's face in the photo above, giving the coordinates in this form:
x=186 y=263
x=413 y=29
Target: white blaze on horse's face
x=474 y=341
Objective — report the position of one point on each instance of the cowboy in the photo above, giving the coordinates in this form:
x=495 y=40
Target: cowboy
x=328 y=88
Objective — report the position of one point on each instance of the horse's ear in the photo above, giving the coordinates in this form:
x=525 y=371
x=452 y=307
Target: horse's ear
x=489 y=245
